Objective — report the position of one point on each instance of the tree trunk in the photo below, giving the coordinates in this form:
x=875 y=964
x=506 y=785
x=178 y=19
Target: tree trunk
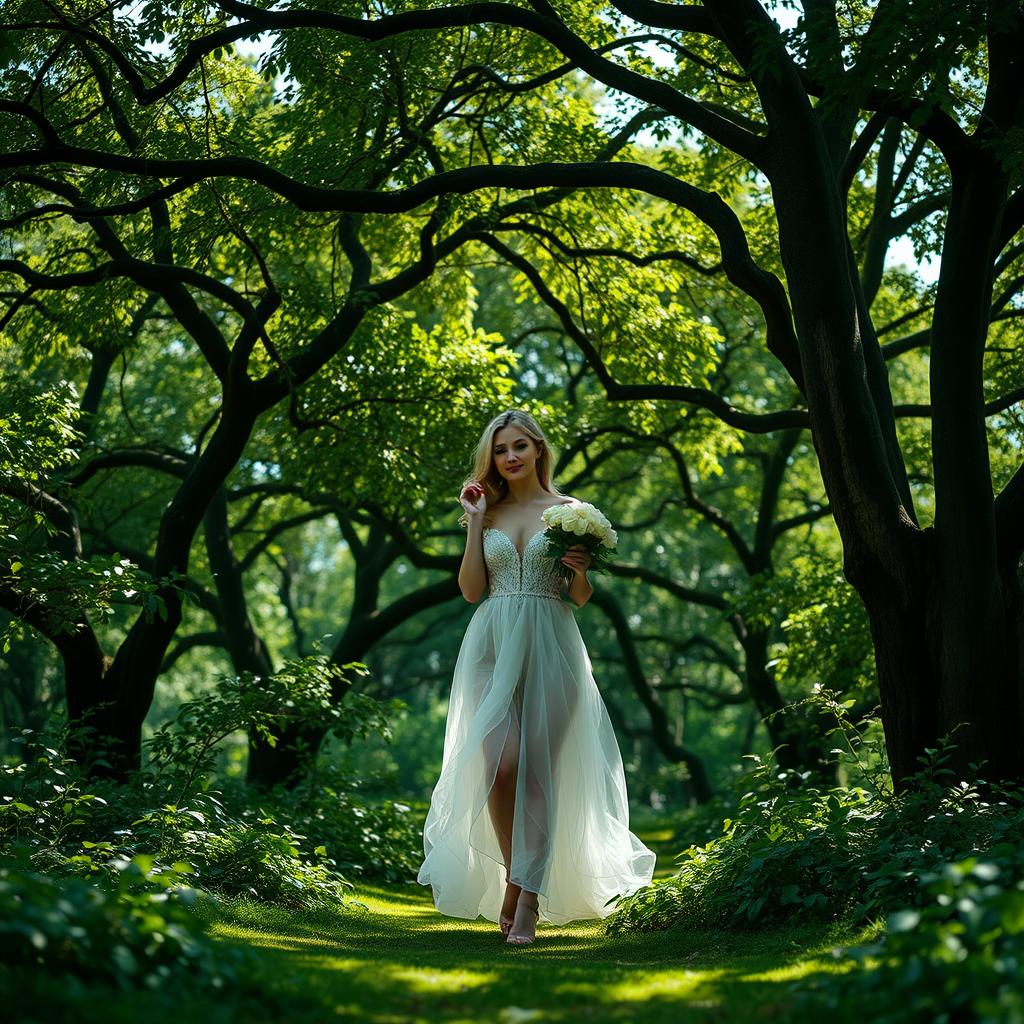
x=268 y=763
x=797 y=734
x=131 y=679
x=914 y=670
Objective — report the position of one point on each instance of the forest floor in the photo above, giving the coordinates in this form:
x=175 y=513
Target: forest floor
x=400 y=961
x=396 y=959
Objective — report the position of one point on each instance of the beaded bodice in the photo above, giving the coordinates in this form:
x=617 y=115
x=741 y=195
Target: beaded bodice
x=534 y=574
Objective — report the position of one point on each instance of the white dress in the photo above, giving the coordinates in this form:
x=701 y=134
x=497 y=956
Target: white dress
x=523 y=677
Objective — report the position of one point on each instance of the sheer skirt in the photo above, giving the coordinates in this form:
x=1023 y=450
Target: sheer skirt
x=525 y=709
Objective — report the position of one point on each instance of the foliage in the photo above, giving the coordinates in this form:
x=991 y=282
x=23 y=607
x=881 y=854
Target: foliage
x=65 y=829
x=795 y=851
x=236 y=847
x=825 y=634
x=183 y=749
x=957 y=957
x=138 y=928
x=38 y=429
x=242 y=851
x=377 y=840
x=58 y=590
x=39 y=436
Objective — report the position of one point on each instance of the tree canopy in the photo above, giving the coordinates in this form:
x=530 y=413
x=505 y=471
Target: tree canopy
x=668 y=186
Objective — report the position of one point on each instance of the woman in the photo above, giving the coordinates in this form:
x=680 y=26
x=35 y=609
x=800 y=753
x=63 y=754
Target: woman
x=528 y=738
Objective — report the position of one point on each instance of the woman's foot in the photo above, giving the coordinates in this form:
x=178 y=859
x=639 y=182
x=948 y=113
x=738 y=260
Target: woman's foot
x=524 y=925
x=508 y=907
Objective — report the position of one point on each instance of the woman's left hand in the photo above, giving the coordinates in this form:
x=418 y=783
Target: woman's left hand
x=577 y=558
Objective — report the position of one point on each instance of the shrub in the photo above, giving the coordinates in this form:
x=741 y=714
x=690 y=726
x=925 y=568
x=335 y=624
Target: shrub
x=374 y=840
x=247 y=852
x=796 y=851
x=137 y=929
x=259 y=849
x=956 y=958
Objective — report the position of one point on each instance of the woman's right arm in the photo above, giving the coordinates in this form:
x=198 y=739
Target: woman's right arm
x=473 y=572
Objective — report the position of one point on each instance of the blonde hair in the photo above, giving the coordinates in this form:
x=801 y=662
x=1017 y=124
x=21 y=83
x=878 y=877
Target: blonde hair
x=486 y=474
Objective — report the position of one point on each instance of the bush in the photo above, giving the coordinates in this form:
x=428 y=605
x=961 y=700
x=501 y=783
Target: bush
x=138 y=929
x=248 y=852
x=257 y=846
x=241 y=851
x=958 y=957
x=374 y=840
x=89 y=896
x=794 y=851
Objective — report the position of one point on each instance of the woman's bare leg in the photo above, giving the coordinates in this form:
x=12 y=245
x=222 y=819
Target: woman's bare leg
x=544 y=732
x=501 y=804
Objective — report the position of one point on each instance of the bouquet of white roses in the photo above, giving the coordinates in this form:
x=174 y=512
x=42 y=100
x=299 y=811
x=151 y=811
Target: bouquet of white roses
x=579 y=523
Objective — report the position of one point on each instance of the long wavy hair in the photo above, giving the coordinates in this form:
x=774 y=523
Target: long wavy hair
x=486 y=473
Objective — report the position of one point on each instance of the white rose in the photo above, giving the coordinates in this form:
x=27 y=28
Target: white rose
x=553 y=516
x=569 y=517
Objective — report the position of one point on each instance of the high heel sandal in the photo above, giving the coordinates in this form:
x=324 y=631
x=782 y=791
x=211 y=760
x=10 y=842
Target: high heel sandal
x=504 y=920
x=525 y=940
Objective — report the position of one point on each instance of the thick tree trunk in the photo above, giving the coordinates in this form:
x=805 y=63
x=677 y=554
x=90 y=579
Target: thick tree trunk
x=914 y=670
x=941 y=616
x=131 y=679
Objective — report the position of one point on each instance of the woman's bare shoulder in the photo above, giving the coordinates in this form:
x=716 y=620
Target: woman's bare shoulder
x=488 y=519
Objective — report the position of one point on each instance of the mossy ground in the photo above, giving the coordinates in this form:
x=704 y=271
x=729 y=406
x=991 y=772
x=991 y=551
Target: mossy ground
x=398 y=960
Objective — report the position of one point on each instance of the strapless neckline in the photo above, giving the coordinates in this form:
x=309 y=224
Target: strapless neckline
x=494 y=529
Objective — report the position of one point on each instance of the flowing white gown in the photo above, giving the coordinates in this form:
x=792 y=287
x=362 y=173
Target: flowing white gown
x=523 y=684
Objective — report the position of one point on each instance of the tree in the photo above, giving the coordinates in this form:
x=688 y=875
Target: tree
x=492 y=97
x=265 y=318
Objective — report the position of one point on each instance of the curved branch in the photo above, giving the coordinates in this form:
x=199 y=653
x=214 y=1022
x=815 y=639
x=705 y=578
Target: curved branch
x=997 y=405
x=753 y=422
x=706 y=599
x=214 y=638
x=660 y=731
x=620 y=254
x=708 y=512
x=153 y=277
x=60 y=515
x=551 y=29
x=245 y=563
x=149 y=458
x=810 y=516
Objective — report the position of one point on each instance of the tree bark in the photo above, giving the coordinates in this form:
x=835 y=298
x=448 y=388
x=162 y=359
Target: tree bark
x=944 y=615
x=131 y=680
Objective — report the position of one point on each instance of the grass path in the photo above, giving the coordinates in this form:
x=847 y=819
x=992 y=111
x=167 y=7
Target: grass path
x=397 y=960
x=401 y=961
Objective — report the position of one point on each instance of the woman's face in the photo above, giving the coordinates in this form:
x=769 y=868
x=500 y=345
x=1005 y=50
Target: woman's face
x=515 y=453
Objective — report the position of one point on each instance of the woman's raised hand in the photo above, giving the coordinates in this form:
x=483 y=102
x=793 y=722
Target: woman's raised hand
x=473 y=499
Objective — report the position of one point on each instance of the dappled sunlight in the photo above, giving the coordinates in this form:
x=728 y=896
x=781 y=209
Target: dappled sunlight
x=676 y=984
x=436 y=982
x=404 y=909
x=400 y=960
